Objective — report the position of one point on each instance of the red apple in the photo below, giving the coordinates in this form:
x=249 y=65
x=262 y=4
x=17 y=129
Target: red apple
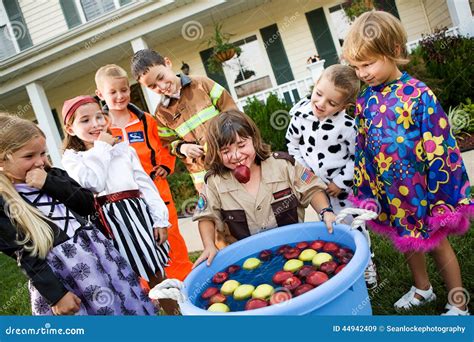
x=233 y=268
x=291 y=283
x=283 y=249
x=340 y=253
x=265 y=255
x=328 y=267
x=255 y=303
x=220 y=277
x=317 y=278
x=217 y=298
x=346 y=258
x=292 y=253
x=317 y=245
x=339 y=268
x=302 y=245
x=302 y=289
x=280 y=296
x=280 y=276
x=209 y=292
x=305 y=271
x=242 y=173
x=330 y=247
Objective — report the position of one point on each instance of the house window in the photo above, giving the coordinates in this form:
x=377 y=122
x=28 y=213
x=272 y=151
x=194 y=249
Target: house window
x=77 y=12
x=14 y=34
x=247 y=73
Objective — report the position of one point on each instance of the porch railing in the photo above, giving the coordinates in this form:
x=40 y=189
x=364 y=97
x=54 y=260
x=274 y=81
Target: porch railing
x=291 y=92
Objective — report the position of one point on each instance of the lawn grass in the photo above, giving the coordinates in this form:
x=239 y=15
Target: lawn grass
x=394 y=280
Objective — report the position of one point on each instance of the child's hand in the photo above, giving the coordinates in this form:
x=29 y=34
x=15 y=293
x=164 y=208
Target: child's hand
x=160 y=234
x=333 y=190
x=329 y=218
x=160 y=172
x=209 y=253
x=36 y=178
x=68 y=305
x=107 y=138
x=191 y=150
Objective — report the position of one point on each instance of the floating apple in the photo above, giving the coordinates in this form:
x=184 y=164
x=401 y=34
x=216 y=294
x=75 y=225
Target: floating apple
x=209 y=292
x=302 y=245
x=265 y=255
x=320 y=258
x=292 y=253
x=229 y=287
x=305 y=271
x=220 y=277
x=293 y=265
x=219 y=307
x=302 y=289
x=263 y=291
x=328 y=267
x=280 y=276
x=280 y=296
x=346 y=258
x=243 y=292
x=291 y=283
x=317 y=245
x=307 y=254
x=242 y=173
x=330 y=247
x=339 y=268
x=218 y=298
x=233 y=268
x=255 y=303
x=283 y=249
x=340 y=253
x=251 y=264
x=317 y=278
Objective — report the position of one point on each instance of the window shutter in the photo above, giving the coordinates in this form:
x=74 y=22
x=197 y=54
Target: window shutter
x=322 y=37
x=70 y=13
x=277 y=54
x=18 y=23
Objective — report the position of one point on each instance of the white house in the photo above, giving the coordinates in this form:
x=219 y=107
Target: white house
x=50 y=49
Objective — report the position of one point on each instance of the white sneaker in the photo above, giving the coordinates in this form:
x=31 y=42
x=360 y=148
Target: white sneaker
x=454 y=311
x=409 y=300
x=370 y=275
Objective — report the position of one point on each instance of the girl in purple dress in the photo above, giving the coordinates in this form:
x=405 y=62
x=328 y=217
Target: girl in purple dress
x=72 y=267
x=407 y=162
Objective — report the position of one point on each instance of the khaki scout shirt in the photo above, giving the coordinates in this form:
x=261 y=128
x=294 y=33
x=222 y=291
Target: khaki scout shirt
x=286 y=189
x=185 y=120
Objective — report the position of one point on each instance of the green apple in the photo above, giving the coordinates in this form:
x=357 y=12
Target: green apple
x=229 y=287
x=251 y=264
x=307 y=254
x=219 y=307
x=263 y=291
x=293 y=265
x=243 y=292
x=321 y=258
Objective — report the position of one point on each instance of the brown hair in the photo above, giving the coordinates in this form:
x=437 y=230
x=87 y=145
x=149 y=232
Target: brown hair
x=374 y=34
x=143 y=60
x=223 y=131
x=109 y=71
x=344 y=79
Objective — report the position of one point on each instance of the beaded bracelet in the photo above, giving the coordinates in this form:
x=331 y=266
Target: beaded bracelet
x=325 y=210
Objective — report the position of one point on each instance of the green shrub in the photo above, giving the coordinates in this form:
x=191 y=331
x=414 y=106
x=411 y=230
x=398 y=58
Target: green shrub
x=271 y=118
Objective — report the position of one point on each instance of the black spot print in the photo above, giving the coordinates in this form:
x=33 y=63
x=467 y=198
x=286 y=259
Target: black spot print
x=325 y=137
x=295 y=129
x=331 y=171
x=339 y=137
x=352 y=158
x=320 y=164
x=302 y=128
x=348 y=183
x=327 y=127
x=315 y=125
x=312 y=141
x=320 y=156
x=310 y=149
x=334 y=148
x=348 y=123
x=348 y=117
x=301 y=140
x=329 y=121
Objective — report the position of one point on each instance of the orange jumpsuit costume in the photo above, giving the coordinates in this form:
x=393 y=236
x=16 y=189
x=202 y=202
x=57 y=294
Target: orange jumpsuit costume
x=142 y=134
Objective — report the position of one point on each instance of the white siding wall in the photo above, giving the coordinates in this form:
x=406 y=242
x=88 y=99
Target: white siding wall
x=438 y=14
x=44 y=19
x=412 y=17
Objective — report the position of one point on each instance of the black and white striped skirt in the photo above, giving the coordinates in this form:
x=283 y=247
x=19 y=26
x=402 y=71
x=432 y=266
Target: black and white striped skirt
x=132 y=227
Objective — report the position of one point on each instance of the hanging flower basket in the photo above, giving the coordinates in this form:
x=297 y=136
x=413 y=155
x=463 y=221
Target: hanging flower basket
x=223 y=56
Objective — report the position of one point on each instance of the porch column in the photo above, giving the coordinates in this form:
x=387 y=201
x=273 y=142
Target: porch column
x=460 y=12
x=152 y=99
x=40 y=104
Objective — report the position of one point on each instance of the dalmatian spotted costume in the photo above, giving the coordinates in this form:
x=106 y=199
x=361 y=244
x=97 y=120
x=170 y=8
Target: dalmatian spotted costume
x=325 y=146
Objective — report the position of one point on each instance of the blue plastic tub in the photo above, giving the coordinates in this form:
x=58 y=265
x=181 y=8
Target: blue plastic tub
x=345 y=294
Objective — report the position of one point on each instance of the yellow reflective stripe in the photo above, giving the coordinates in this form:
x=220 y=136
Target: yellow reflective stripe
x=216 y=93
x=196 y=120
x=198 y=177
x=173 y=147
x=166 y=132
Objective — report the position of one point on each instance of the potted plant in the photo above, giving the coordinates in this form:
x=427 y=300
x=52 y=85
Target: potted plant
x=222 y=49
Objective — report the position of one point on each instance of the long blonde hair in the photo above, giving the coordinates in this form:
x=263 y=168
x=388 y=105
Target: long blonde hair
x=30 y=222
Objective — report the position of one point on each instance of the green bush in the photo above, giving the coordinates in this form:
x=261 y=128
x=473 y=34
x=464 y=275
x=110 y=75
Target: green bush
x=271 y=118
